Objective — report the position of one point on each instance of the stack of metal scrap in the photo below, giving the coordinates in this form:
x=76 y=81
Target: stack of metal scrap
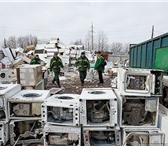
x=138 y=93
x=98 y=117
x=60 y=115
x=24 y=111
x=6 y=91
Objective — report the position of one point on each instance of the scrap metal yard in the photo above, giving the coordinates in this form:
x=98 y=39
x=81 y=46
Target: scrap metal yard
x=83 y=73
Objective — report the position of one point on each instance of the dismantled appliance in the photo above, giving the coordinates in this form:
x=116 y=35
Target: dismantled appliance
x=62 y=136
x=140 y=82
x=164 y=99
x=137 y=111
x=143 y=137
x=95 y=136
x=27 y=103
x=25 y=132
x=4 y=133
x=61 y=109
x=6 y=91
x=4 y=75
x=162 y=122
x=98 y=107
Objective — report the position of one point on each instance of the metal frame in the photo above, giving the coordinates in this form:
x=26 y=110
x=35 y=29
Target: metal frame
x=152 y=81
x=154 y=135
x=25 y=141
x=86 y=135
x=151 y=104
x=55 y=102
x=61 y=130
x=4 y=133
x=108 y=95
x=8 y=91
x=30 y=105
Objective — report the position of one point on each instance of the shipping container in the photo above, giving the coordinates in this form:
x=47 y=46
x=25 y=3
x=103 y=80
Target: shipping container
x=151 y=54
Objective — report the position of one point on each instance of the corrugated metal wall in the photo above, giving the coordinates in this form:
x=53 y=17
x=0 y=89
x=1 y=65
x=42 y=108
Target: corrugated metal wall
x=143 y=54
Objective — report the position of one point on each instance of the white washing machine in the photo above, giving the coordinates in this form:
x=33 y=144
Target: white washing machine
x=99 y=136
x=142 y=136
x=61 y=109
x=26 y=132
x=62 y=135
x=98 y=107
x=4 y=133
x=137 y=111
x=27 y=103
x=6 y=91
x=4 y=75
x=139 y=82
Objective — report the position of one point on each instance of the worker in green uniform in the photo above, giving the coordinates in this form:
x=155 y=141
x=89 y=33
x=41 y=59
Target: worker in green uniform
x=99 y=66
x=82 y=63
x=55 y=66
x=35 y=60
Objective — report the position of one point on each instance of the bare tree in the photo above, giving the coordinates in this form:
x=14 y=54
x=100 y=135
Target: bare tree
x=11 y=42
x=118 y=47
x=102 y=41
x=78 y=42
x=27 y=40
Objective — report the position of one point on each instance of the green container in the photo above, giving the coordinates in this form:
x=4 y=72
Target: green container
x=161 y=59
x=151 y=54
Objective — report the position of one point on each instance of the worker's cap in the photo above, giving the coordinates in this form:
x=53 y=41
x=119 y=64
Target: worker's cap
x=55 y=53
x=83 y=53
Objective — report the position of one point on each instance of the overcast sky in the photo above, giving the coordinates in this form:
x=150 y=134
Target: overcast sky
x=127 y=22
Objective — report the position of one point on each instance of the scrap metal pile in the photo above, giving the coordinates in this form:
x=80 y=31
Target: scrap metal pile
x=123 y=116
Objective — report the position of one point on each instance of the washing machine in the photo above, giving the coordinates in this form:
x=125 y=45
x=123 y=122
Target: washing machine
x=140 y=82
x=62 y=135
x=7 y=91
x=99 y=136
x=137 y=111
x=4 y=133
x=27 y=103
x=4 y=75
x=26 y=132
x=61 y=109
x=98 y=107
x=142 y=136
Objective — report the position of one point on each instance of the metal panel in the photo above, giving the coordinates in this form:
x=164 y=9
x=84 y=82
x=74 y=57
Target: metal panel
x=139 y=56
x=156 y=44
x=161 y=59
x=149 y=55
x=143 y=56
x=135 y=57
x=164 y=42
x=148 y=51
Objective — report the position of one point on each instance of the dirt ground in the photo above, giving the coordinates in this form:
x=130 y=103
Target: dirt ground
x=73 y=85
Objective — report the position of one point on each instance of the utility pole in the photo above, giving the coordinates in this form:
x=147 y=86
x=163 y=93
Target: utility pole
x=92 y=31
x=153 y=29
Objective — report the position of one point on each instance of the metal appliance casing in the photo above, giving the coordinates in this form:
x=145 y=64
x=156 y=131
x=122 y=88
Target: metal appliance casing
x=152 y=85
x=151 y=104
x=7 y=91
x=14 y=136
x=152 y=136
x=87 y=135
x=107 y=94
x=50 y=129
x=4 y=133
x=55 y=102
x=21 y=107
